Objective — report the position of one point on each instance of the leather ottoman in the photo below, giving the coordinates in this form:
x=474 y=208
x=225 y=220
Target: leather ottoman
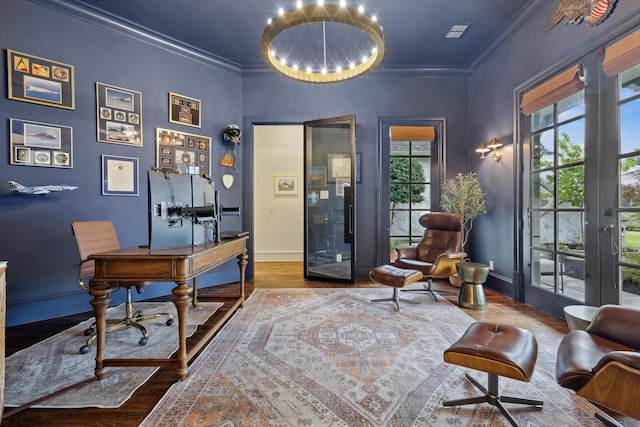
x=395 y=277
x=498 y=350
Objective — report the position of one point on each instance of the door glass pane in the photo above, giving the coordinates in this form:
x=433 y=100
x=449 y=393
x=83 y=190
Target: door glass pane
x=400 y=223
x=571 y=276
x=543 y=229
x=328 y=249
x=571 y=187
x=420 y=199
x=399 y=148
x=571 y=232
x=630 y=278
x=542 y=155
x=542 y=189
x=630 y=182
x=542 y=118
x=570 y=107
x=629 y=83
x=630 y=127
x=571 y=143
x=630 y=237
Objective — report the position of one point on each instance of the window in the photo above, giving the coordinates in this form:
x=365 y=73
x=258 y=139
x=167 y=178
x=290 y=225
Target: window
x=410 y=190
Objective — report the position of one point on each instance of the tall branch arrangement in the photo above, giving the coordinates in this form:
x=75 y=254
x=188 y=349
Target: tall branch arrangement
x=464 y=195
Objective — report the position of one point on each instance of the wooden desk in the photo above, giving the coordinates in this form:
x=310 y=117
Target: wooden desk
x=180 y=265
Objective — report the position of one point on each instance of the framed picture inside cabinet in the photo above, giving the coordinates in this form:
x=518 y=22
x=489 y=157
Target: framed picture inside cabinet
x=119 y=115
x=183 y=152
x=41 y=144
x=184 y=110
x=40 y=81
x=317 y=176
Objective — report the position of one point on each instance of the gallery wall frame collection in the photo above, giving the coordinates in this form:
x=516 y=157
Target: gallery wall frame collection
x=118 y=121
x=118 y=115
x=40 y=81
x=40 y=144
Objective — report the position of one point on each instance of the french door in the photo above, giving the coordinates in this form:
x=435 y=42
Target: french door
x=330 y=176
x=581 y=199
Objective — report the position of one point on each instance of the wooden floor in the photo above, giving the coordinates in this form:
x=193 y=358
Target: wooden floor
x=267 y=275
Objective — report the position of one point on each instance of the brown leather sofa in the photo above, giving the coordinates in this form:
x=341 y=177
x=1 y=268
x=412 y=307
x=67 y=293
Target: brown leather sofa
x=602 y=363
x=438 y=252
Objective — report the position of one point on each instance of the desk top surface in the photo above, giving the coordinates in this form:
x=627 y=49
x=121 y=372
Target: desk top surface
x=173 y=252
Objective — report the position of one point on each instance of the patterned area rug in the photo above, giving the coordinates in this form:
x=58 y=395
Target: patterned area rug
x=56 y=363
x=330 y=357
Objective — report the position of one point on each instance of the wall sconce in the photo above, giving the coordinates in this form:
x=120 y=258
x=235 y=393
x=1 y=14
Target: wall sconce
x=492 y=147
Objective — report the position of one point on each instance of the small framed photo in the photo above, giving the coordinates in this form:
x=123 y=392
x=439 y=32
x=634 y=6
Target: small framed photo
x=340 y=184
x=313 y=199
x=119 y=115
x=41 y=144
x=119 y=176
x=317 y=176
x=40 y=81
x=184 y=110
x=286 y=185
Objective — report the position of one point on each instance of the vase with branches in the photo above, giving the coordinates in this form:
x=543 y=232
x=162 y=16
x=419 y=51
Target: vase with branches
x=464 y=195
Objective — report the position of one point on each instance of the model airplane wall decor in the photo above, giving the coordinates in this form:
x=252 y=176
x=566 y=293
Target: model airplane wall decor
x=592 y=12
x=39 y=189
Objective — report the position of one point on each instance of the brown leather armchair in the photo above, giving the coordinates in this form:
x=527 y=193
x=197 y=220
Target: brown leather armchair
x=602 y=363
x=438 y=252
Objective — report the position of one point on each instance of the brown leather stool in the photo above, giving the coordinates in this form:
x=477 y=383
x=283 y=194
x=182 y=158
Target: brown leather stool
x=499 y=350
x=397 y=278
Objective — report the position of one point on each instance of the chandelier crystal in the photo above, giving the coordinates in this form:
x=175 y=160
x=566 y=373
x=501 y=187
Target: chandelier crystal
x=323 y=13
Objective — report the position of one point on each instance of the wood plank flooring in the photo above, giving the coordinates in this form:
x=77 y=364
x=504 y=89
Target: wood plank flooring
x=548 y=330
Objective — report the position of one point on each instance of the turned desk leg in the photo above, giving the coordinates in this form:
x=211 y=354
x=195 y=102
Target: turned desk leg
x=242 y=264
x=182 y=300
x=100 y=302
x=195 y=292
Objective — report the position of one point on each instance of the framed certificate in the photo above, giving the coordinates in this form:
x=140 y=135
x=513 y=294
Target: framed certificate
x=119 y=176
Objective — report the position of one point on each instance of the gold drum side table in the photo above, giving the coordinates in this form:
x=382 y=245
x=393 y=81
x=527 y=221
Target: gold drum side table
x=473 y=276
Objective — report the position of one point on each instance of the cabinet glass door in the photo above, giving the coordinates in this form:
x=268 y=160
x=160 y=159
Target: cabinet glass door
x=330 y=176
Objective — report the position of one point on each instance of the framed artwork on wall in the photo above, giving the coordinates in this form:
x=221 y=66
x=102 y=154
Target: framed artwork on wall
x=40 y=81
x=183 y=152
x=184 y=110
x=119 y=176
x=118 y=115
x=41 y=144
x=285 y=185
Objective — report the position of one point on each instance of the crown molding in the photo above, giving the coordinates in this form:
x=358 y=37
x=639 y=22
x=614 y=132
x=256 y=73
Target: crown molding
x=114 y=23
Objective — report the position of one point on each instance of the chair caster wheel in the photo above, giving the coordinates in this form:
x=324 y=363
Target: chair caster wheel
x=143 y=341
x=169 y=322
x=85 y=349
x=88 y=332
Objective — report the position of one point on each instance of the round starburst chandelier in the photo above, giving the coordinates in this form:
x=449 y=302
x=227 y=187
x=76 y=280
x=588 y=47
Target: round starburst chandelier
x=367 y=55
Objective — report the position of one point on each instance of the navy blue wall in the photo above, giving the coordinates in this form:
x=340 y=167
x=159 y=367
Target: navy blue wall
x=526 y=53
x=36 y=236
x=274 y=99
